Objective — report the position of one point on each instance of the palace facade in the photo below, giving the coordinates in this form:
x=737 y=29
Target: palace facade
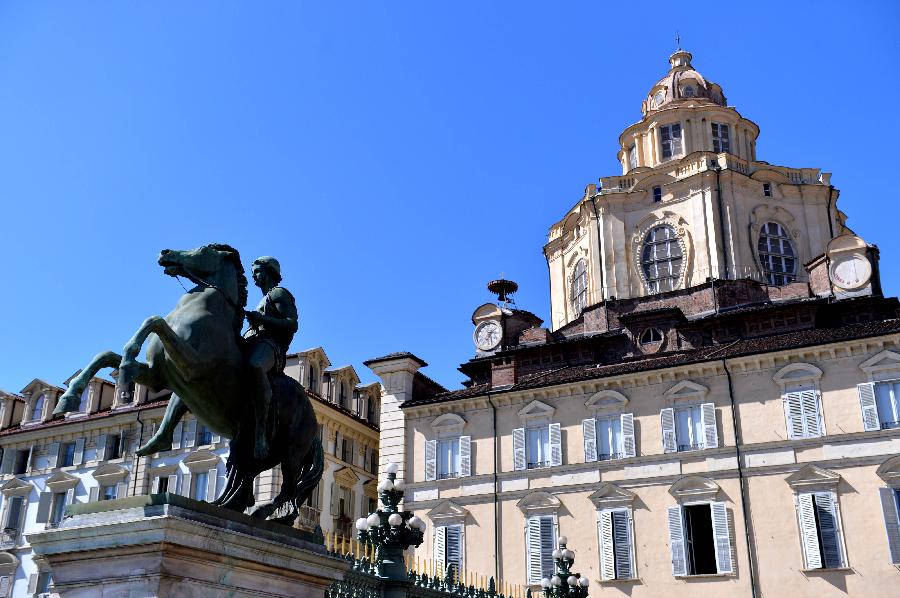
x=89 y=455
x=714 y=406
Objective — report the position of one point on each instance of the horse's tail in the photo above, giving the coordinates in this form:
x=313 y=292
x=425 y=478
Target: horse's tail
x=310 y=472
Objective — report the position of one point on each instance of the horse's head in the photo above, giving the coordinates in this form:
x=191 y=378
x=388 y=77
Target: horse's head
x=214 y=263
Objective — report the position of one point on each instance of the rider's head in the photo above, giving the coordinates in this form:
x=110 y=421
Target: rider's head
x=271 y=267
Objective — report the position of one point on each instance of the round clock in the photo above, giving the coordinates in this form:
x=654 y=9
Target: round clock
x=850 y=272
x=487 y=335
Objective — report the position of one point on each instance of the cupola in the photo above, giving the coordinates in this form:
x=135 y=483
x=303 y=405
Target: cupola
x=682 y=83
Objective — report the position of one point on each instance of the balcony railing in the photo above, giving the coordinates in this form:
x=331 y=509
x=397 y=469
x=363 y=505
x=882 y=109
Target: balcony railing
x=537 y=464
x=309 y=517
x=690 y=447
x=9 y=537
x=609 y=456
x=448 y=475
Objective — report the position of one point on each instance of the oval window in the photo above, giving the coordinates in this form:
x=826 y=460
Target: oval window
x=661 y=259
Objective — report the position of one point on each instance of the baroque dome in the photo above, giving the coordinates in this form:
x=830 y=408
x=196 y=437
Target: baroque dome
x=682 y=83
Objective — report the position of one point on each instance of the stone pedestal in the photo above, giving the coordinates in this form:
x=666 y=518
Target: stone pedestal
x=171 y=546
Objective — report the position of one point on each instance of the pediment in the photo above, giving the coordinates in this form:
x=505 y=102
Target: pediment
x=538 y=502
x=606 y=399
x=448 y=422
x=812 y=476
x=686 y=390
x=109 y=474
x=610 y=495
x=796 y=373
x=346 y=477
x=201 y=460
x=536 y=409
x=37 y=386
x=694 y=488
x=61 y=481
x=447 y=513
x=370 y=489
x=889 y=471
x=885 y=360
x=316 y=355
x=16 y=487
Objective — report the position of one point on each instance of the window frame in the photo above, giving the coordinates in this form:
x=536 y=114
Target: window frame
x=671 y=141
x=650 y=269
x=771 y=275
x=657 y=193
x=546 y=559
x=721 y=142
x=632 y=156
x=530 y=462
x=615 y=550
x=578 y=287
x=895 y=403
x=454 y=471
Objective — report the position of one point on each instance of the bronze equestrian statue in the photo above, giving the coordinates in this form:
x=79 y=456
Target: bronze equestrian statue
x=197 y=351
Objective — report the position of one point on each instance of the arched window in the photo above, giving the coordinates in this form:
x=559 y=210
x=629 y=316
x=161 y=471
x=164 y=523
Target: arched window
x=83 y=402
x=687 y=91
x=579 y=286
x=651 y=336
x=313 y=379
x=661 y=259
x=37 y=410
x=776 y=254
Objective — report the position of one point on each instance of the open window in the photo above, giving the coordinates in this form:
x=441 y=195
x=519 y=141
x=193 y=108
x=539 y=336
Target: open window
x=699 y=529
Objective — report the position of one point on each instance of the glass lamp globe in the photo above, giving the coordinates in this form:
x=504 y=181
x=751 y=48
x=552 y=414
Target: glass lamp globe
x=572 y=581
x=563 y=540
x=584 y=582
x=373 y=520
x=385 y=486
x=391 y=468
x=395 y=519
x=545 y=583
x=399 y=485
x=568 y=554
x=557 y=553
x=362 y=524
x=555 y=581
x=414 y=522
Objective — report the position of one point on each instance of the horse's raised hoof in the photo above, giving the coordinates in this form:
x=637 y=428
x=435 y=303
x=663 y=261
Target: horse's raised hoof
x=154 y=445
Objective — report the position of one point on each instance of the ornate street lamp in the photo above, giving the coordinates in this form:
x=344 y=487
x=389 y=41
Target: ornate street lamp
x=389 y=529
x=564 y=582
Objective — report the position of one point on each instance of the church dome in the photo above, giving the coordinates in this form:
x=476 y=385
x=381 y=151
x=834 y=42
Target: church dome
x=682 y=83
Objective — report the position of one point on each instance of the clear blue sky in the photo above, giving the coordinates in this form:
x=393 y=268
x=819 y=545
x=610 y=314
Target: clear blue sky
x=394 y=156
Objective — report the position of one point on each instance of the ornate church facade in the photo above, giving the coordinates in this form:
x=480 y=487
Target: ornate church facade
x=714 y=406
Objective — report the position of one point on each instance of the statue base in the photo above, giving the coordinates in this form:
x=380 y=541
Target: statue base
x=169 y=545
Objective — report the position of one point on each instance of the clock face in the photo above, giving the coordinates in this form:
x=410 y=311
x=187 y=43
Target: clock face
x=851 y=272
x=487 y=335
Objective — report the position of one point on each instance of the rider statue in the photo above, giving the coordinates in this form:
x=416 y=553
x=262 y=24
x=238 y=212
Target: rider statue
x=272 y=326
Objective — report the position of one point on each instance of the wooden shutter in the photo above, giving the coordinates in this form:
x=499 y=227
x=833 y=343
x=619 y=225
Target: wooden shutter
x=440 y=545
x=548 y=544
x=5 y=585
x=555 y=445
x=829 y=529
x=589 y=431
x=708 y=419
x=101 y=447
x=533 y=549
x=154 y=486
x=809 y=535
x=123 y=442
x=30 y=462
x=676 y=541
x=121 y=489
x=621 y=527
x=70 y=497
x=211 y=484
x=54 y=455
x=32 y=583
x=176 y=436
x=891 y=521
x=667 y=421
x=465 y=456
x=519 y=451
x=9 y=457
x=94 y=494
x=454 y=548
x=335 y=504
x=190 y=434
x=721 y=537
x=79 y=452
x=629 y=448
x=607 y=546
x=430 y=460
x=43 y=512
x=172 y=484
x=869 y=407
x=793 y=415
x=812 y=418
x=186 y=484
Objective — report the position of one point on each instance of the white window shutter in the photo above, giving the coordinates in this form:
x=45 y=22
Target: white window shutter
x=555 y=445
x=676 y=541
x=122 y=490
x=185 y=489
x=454 y=548
x=589 y=431
x=212 y=481
x=176 y=436
x=811 y=414
x=629 y=448
x=23 y=511
x=31 y=452
x=607 y=546
x=891 y=521
x=829 y=529
x=5 y=586
x=465 y=456
x=808 y=532
x=548 y=544
x=154 y=487
x=793 y=415
x=868 y=406
x=43 y=512
x=32 y=583
x=440 y=545
x=54 y=455
x=335 y=504
x=123 y=442
x=519 y=451
x=667 y=421
x=190 y=434
x=94 y=494
x=70 y=499
x=79 y=452
x=6 y=464
x=721 y=537
x=533 y=549
x=710 y=431
x=172 y=485
x=101 y=447
x=430 y=460
x=621 y=523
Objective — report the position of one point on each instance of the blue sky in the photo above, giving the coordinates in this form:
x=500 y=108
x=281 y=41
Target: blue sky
x=394 y=156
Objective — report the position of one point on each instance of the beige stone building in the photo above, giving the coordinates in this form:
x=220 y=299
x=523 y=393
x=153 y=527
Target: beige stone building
x=47 y=464
x=714 y=407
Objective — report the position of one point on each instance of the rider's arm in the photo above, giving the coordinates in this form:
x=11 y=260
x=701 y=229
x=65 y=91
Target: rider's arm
x=285 y=304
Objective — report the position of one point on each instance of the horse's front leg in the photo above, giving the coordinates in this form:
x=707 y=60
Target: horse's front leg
x=162 y=439
x=185 y=358
x=71 y=399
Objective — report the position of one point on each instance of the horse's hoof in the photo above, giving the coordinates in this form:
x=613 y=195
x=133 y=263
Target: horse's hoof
x=65 y=405
x=153 y=447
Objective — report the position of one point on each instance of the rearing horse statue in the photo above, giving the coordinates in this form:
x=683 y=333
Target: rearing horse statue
x=196 y=352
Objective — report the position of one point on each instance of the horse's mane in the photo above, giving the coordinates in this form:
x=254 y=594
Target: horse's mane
x=235 y=258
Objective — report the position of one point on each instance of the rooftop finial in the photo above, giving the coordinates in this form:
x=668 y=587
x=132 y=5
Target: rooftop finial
x=677 y=41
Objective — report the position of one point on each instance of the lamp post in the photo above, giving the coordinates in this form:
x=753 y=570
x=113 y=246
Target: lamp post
x=564 y=582
x=391 y=530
